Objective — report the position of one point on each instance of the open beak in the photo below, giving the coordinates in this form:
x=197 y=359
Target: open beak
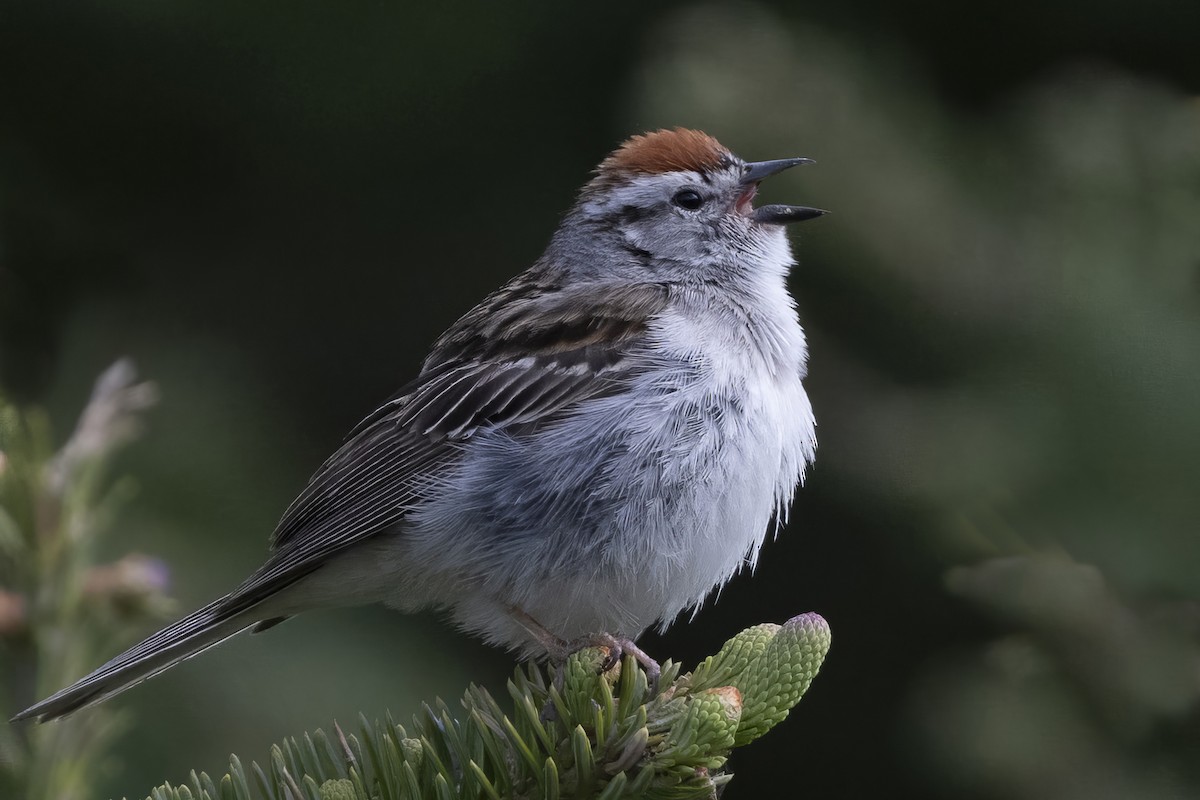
x=756 y=171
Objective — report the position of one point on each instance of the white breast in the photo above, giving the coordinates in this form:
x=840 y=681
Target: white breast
x=752 y=366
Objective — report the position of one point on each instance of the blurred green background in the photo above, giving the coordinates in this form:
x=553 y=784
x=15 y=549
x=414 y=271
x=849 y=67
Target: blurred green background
x=274 y=209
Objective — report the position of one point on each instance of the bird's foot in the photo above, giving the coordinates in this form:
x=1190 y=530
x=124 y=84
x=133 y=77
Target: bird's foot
x=618 y=647
x=559 y=649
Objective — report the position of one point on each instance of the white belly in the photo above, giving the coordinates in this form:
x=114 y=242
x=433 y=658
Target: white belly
x=675 y=542
x=624 y=514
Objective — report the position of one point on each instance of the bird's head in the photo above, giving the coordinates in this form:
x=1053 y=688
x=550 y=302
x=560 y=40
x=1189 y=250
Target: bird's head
x=679 y=196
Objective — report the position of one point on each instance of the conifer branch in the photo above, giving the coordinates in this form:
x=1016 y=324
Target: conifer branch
x=578 y=732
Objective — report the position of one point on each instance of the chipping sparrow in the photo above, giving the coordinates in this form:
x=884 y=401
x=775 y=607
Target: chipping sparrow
x=590 y=451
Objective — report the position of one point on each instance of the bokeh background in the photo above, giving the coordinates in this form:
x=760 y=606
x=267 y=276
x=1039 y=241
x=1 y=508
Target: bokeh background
x=275 y=208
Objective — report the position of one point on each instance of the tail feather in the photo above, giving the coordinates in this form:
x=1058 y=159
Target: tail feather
x=177 y=642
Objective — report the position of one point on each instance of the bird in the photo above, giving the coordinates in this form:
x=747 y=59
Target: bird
x=588 y=453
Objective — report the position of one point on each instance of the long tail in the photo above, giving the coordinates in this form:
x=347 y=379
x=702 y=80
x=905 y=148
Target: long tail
x=177 y=642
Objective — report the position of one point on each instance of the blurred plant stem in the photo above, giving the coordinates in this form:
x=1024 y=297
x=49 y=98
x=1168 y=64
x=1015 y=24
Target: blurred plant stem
x=60 y=611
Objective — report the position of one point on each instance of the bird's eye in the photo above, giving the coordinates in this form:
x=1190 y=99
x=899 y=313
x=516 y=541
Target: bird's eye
x=688 y=198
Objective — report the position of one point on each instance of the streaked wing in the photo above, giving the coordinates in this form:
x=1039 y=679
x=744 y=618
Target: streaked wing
x=521 y=359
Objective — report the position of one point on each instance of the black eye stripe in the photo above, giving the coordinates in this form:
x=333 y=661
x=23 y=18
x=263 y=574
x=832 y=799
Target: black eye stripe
x=630 y=214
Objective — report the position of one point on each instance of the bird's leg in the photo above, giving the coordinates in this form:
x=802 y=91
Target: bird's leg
x=557 y=648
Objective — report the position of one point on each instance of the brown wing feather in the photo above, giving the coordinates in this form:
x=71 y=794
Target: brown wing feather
x=522 y=358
